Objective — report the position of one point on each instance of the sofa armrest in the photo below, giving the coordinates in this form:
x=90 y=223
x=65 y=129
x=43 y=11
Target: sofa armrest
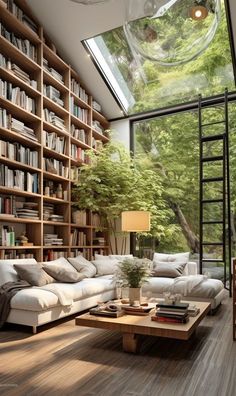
x=192 y=268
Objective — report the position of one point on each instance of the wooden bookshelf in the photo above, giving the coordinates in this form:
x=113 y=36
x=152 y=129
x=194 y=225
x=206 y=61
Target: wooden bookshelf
x=53 y=85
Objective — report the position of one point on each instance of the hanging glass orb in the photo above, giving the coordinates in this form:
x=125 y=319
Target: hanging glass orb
x=89 y=2
x=171 y=32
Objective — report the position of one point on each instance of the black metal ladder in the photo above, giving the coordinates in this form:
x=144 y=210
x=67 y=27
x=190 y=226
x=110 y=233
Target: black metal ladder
x=219 y=160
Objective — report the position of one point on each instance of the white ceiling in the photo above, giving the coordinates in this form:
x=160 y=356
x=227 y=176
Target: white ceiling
x=67 y=23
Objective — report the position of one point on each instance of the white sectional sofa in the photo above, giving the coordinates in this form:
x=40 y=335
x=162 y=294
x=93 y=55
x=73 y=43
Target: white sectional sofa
x=35 y=306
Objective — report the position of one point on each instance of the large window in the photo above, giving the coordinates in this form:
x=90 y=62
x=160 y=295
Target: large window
x=184 y=66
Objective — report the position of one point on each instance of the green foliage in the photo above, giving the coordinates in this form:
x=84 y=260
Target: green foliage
x=133 y=272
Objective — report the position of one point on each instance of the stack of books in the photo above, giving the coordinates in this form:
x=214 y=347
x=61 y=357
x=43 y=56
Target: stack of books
x=52 y=71
x=53 y=94
x=20 y=127
x=52 y=239
x=171 y=313
x=29 y=210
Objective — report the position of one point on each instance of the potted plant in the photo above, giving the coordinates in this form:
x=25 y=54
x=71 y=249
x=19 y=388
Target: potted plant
x=133 y=273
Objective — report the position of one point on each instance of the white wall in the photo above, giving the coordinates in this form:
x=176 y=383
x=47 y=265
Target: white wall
x=121 y=131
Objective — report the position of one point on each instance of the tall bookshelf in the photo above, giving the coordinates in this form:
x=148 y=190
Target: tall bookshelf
x=47 y=123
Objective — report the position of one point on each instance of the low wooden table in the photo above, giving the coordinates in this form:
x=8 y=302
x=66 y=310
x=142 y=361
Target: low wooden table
x=133 y=327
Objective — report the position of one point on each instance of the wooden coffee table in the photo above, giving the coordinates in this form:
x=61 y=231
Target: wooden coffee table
x=133 y=327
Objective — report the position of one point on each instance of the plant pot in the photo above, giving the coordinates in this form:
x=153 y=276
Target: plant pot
x=135 y=295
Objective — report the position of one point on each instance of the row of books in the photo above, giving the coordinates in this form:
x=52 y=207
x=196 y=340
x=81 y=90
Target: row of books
x=78 y=90
x=78 y=238
x=8 y=206
x=96 y=220
x=19 y=13
x=78 y=111
x=54 y=254
x=54 y=73
x=54 y=142
x=6 y=254
x=74 y=173
x=14 y=178
x=79 y=217
x=7 y=237
x=51 y=117
x=53 y=94
x=16 y=96
x=78 y=154
x=56 y=167
x=79 y=134
x=99 y=241
x=17 y=152
x=85 y=252
x=17 y=71
x=24 y=45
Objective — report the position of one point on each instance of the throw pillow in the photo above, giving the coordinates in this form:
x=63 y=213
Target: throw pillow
x=101 y=257
x=168 y=270
x=62 y=274
x=7 y=271
x=33 y=274
x=171 y=257
x=106 y=267
x=61 y=261
x=121 y=257
x=83 y=266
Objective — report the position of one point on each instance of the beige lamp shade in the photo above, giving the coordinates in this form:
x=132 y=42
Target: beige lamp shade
x=135 y=221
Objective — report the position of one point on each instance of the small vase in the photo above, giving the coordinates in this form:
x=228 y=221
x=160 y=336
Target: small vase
x=135 y=294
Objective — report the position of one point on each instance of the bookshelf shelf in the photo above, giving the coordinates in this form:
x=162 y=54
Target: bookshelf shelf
x=16 y=137
x=15 y=25
x=18 y=56
x=59 y=96
x=9 y=76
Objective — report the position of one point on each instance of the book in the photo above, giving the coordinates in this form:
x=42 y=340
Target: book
x=177 y=305
x=169 y=320
x=103 y=312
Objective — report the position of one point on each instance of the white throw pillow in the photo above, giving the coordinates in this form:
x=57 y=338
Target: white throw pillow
x=171 y=257
x=166 y=269
x=8 y=272
x=106 y=267
x=83 y=266
x=101 y=257
x=61 y=261
x=121 y=257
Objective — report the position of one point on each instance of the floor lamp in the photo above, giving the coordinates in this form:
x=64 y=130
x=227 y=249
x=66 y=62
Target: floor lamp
x=134 y=221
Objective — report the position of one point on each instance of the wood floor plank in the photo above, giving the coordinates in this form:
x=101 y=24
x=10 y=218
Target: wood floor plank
x=65 y=359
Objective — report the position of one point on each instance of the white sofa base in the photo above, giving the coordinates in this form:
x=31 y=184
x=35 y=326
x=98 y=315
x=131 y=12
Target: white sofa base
x=35 y=319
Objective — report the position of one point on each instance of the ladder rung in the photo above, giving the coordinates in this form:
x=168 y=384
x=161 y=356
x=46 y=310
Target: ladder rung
x=209 y=159
x=212 y=244
x=213 y=123
x=213 y=222
x=212 y=179
x=213 y=137
x=219 y=200
x=213 y=260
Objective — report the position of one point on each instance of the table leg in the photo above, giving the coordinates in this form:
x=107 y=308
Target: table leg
x=131 y=342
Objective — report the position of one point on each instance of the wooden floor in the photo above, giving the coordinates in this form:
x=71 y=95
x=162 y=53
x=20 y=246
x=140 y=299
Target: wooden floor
x=68 y=360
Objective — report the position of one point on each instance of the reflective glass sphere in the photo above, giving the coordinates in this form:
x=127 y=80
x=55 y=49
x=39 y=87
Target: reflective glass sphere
x=171 y=32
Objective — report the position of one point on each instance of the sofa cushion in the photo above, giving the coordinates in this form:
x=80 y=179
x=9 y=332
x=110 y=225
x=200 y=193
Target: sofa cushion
x=62 y=261
x=62 y=274
x=33 y=274
x=119 y=257
x=7 y=271
x=171 y=257
x=83 y=266
x=106 y=267
x=168 y=270
x=41 y=299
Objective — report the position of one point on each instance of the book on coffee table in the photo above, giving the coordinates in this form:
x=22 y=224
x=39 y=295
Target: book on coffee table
x=104 y=312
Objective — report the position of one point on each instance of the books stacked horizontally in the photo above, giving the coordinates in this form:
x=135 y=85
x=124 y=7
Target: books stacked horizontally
x=52 y=239
x=53 y=94
x=19 y=126
x=109 y=309
x=171 y=313
x=29 y=210
x=52 y=71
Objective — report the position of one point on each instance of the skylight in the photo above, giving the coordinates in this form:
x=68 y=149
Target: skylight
x=167 y=58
